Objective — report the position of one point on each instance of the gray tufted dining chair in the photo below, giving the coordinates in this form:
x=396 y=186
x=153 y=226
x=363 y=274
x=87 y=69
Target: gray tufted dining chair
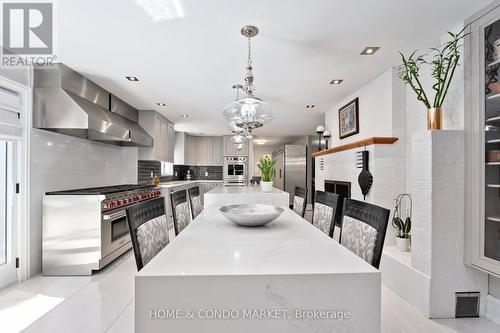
x=363 y=229
x=180 y=210
x=148 y=229
x=195 y=201
x=300 y=200
x=325 y=210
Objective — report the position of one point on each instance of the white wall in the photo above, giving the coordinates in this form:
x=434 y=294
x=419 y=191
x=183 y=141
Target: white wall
x=494 y=286
x=20 y=75
x=60 y=162
x=382 y=112
x=258 y=152
x=375 y=110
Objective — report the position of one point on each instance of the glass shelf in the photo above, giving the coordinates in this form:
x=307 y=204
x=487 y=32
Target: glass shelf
x=493 y=119
x=493 y=63
x=493 y=96
x=493 y=141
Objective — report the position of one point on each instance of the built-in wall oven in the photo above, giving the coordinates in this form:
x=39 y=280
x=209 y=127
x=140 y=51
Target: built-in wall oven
x=235 y=171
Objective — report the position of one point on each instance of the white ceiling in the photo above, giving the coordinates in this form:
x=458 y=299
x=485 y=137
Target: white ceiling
x=191 y=61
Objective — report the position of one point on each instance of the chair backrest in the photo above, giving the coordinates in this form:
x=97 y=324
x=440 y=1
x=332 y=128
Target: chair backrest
x=180 y=210
x=300 y=200
x=195 y=201
x=148 y=229
x=363 y=229
x=325 y=209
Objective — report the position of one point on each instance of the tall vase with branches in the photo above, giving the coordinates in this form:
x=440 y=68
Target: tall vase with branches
x=443 y=62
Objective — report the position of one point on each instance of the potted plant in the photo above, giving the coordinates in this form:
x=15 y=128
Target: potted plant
x=266 y=166
x=401 y=221
x=443 y=62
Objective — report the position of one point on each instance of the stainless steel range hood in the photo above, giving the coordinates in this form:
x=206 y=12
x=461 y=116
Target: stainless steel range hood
x=69 y=103
x=130 y=117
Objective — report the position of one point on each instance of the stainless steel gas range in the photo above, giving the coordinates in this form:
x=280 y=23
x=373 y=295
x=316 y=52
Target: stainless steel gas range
x=86 y=229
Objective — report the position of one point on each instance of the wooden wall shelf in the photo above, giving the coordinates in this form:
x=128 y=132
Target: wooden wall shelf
x=361 y=143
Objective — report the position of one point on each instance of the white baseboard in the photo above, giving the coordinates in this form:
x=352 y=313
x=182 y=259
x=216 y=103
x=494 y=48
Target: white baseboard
x=493 y=309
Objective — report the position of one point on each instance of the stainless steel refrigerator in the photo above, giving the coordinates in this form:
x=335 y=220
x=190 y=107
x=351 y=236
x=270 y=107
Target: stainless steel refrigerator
x=291 y=168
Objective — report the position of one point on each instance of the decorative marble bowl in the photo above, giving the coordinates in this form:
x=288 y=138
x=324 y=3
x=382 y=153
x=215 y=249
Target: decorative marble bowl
x=251 y=215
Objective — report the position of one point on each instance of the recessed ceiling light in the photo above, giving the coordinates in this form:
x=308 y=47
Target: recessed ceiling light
x=202 y=133
x=310 y=106
x=132 y=78
x=336 y=81
x=184 y=115
x=260 y=141
x=161 y=104
x=370 y=50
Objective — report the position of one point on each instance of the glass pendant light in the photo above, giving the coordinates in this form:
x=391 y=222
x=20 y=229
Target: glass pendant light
x=249 y=112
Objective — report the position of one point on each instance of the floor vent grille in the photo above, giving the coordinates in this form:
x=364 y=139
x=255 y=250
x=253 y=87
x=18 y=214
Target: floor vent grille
x=467 y=304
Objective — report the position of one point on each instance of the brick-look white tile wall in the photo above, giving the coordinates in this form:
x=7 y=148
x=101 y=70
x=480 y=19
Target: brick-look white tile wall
x=436 y=180
x=419 y=185
x=387 y=165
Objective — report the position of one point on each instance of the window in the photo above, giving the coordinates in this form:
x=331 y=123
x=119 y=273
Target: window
x=167 y=169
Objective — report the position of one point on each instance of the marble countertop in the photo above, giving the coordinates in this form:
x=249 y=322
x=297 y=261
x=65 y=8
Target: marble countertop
x=175 y=183
x=211 y=245
x=241 y=189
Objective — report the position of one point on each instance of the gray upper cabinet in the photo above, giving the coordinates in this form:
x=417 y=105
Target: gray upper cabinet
x=200 y=150
x=230 y=147
x=216 y=157
x=171 y=142
x=203 y=151
x=163 y=135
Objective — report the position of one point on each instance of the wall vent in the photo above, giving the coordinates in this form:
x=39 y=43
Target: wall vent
x=467 y=304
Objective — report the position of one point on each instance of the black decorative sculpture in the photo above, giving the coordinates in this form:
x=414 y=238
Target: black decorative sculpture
x=365 y=178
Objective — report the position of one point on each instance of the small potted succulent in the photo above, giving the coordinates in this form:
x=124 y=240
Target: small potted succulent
x=401 y=221
x=266 y=166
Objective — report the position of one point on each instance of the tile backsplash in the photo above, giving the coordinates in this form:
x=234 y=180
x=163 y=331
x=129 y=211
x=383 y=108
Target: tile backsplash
x=145 y=168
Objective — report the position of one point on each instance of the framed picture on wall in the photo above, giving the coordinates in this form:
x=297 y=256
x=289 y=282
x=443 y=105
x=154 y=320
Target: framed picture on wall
x=349 y=119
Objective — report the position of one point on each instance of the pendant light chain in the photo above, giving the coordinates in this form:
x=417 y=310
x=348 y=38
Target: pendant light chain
x=249 y=62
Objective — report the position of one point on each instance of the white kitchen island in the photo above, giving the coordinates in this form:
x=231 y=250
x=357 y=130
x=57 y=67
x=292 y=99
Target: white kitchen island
x=233 y=195
x=284 y=277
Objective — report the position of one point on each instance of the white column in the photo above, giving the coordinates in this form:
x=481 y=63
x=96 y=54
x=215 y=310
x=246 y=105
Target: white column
x=436 y=181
